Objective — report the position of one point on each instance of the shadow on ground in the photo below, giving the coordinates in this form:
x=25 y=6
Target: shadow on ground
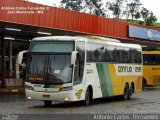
x=95 y=102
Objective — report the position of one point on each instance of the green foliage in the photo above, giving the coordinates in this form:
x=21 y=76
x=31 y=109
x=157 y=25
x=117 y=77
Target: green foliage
x=148 y=17
x=95 y=7
x=131 y=9
x=115 y=7
x=72 y=5
x=144 y=13
x=89 y=6
x=156 y=24
x=137 y=15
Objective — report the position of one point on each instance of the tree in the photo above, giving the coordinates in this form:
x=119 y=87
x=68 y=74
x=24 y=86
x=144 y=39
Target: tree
x=87 y=6
x=133 y=8
x=95 y=7
x=144 y=13
x=126 y=13
x=148 y=16
x=72 y=5
x=115 y=7
x=137 y=16
x=151 y=19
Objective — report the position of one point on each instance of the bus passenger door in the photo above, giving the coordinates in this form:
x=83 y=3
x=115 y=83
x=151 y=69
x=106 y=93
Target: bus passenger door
x=79 y=71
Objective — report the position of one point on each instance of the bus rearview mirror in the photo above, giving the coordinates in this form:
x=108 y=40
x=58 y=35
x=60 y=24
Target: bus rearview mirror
x=20 y=56
x=73 y=57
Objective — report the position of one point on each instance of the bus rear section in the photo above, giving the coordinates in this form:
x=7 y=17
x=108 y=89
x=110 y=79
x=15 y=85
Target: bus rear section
x=115 y=68
x=151 y=68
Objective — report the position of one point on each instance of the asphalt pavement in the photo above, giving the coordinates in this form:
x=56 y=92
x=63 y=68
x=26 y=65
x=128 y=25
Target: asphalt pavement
x=145 y=102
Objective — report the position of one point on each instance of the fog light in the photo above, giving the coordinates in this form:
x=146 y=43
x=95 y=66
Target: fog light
x=29 y=98
x=66 y=99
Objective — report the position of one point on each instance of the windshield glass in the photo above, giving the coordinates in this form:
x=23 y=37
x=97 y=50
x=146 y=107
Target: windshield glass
x=50 y=68
x=52 y=46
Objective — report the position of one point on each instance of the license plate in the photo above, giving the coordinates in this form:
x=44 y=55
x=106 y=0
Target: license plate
x=46 y=96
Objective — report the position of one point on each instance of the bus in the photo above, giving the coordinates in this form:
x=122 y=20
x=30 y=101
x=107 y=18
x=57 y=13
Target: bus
x=151 y=68
x=82 y=68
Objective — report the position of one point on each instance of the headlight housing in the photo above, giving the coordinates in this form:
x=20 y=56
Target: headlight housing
x=29 y=87
x=66 y=88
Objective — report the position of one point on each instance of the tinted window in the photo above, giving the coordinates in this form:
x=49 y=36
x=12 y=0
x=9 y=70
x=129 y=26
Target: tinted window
x=79 y=69
x=109 y=53
x=151 y=59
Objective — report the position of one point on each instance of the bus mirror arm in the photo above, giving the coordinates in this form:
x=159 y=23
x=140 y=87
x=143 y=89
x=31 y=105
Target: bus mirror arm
x=73 y=58
x=72 y=66
x=20 y=56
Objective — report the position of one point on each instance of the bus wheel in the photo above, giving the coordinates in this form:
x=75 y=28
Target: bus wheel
x=144 y=84
x=47 y=103
x=131 y=89
x=88 y=97
x=126 y=94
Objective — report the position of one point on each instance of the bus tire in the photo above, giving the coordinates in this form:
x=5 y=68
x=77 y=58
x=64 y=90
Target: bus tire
x=47 y=103
x=126 y=94
x=88 y=97
x=144 y=84
x=131 y=90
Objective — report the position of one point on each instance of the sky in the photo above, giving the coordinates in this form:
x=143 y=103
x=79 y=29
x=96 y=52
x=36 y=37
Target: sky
x=153 y=5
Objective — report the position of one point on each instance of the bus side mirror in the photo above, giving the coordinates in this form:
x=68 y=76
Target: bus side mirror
x=73 y=58
x=20 y=56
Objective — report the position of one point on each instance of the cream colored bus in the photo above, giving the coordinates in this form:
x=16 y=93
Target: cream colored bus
x=66 y=69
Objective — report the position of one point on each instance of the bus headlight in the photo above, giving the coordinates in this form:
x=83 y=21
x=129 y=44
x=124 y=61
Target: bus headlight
x=29 y=98
x=29 y=87
x=66 y=99
x=66 y=88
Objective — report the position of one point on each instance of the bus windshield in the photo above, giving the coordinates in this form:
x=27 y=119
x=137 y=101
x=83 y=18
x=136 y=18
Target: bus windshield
x=50 y=69
x=49 y=62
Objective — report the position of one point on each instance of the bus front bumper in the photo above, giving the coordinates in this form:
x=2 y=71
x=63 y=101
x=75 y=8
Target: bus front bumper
x=64 y=96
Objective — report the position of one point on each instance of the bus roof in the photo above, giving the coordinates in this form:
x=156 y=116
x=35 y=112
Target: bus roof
x=127 y=45
x=91 y=39
x=76 y=38
x=60 y=38
x=151 y=52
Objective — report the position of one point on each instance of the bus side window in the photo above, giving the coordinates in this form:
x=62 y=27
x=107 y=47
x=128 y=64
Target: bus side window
x=79 y=69
x=78 y=75
x=158 y=59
